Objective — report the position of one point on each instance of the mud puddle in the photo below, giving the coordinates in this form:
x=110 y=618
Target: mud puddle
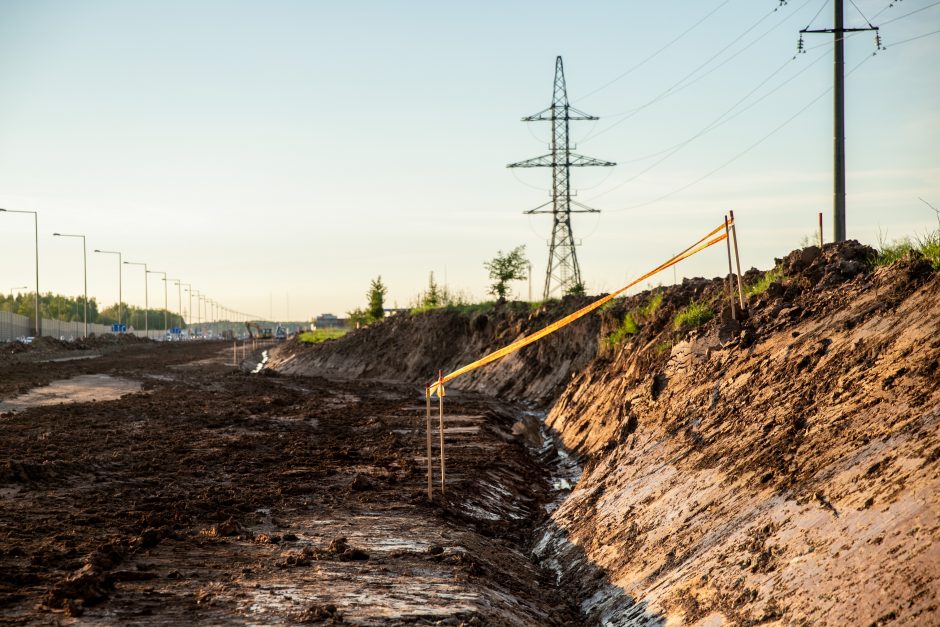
x=88 y=388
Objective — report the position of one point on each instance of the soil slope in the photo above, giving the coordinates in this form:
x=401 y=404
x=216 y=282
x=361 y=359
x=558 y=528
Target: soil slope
x=779 y=470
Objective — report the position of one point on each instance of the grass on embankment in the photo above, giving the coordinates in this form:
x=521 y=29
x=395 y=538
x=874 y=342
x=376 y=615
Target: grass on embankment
x=927 y=245
x=321 y=335
x=631 y=321
x=696 y=314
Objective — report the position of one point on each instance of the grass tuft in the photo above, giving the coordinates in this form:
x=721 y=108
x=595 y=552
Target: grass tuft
x=627 y=328
x=889 y=252
x=760 y=286
x=696 y=314
x=652 y=305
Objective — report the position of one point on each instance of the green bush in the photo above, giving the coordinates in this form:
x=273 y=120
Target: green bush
x=696 y=314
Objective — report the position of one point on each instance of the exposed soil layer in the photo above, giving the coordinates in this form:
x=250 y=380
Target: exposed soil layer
x=216 y=496
x=781 y=468
x=414 y=347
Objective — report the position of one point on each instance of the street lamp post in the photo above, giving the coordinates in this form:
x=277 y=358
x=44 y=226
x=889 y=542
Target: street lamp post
x=179 y=300
x=146 y=298
x=36 y=230
x=198 y=315
x=189 y=312
x=165 y=327
x=85 y=272
x=120 y=287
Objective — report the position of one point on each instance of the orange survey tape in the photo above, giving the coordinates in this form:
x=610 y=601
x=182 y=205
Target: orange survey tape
x=438 y=386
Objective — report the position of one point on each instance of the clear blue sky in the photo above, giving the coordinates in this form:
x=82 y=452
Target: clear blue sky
x=275 y=152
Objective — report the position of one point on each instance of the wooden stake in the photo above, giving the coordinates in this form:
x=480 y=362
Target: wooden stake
x=235 y=354
x=820 y=230
x=427 y=394
x=440 y=398
x=729 y=290
x=737 y=260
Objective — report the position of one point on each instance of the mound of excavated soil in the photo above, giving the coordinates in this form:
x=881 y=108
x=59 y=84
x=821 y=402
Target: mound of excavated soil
x=414 y=347
x=780 y=468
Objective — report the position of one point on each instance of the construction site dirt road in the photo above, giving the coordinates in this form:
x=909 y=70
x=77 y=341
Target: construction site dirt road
x=202 y=493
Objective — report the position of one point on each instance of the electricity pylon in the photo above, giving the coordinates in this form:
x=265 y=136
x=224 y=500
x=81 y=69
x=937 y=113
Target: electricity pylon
x=563 y=274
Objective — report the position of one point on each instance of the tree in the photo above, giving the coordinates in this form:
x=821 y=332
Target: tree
x=433 y=297
x=505 y=268
x=358 y=317
x=376 y=296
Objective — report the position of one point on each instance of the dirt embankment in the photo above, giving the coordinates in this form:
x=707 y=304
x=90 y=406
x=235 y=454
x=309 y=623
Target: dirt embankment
x=414 y=347
x=783 y=470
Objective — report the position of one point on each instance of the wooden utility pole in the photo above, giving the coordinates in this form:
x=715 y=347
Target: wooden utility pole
x=838 y=130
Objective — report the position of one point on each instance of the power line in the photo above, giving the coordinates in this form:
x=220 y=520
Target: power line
x=901 y=17
x=904 y=41
x=684 y=82
x=721 y=120
x=657 y=53
x=890 y=4
x=743 y=152
x=860 y=13
x=669 y=89
x=821 y=7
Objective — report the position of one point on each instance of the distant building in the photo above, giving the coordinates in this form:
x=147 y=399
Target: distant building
x=329 y=321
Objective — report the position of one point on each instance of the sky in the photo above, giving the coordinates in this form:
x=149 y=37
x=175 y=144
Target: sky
x=279 y=155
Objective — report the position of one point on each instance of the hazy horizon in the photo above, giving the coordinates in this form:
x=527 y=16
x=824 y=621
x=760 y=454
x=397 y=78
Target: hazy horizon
x=280 y=155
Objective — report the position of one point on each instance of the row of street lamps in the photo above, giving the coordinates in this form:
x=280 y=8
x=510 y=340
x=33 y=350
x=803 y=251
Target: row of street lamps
x=214 y=309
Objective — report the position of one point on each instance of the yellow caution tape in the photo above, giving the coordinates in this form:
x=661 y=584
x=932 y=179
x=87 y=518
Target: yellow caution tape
x=697 y=247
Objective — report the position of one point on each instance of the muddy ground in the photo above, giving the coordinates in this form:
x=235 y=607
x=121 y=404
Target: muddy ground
x=212 y=495
x=778 y=469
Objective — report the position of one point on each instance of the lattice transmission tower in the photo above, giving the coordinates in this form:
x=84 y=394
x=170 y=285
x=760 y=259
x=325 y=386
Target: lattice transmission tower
x=563 y=274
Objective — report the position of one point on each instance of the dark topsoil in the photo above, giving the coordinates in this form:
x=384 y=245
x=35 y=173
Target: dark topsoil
x=222 y=497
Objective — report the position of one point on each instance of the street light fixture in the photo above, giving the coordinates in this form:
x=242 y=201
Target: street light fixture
x=165 y=327
x=36 y=229
x=146 y=298
x=120 y=281
x=85 y=272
